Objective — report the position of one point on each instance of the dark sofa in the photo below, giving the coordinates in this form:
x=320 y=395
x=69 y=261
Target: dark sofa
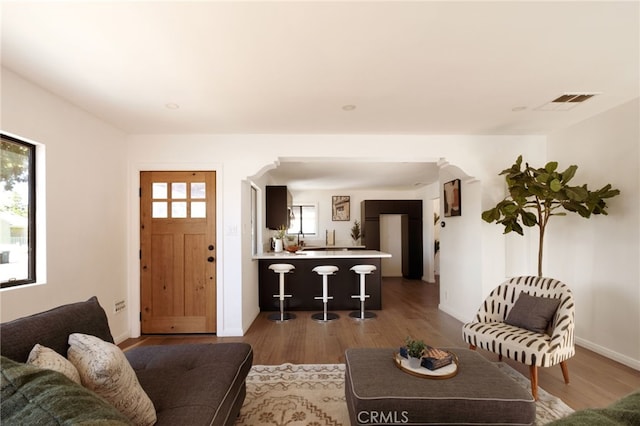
x=194 y=384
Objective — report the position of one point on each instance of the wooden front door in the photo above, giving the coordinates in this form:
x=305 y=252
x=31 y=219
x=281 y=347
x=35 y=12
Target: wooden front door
x=178 y=252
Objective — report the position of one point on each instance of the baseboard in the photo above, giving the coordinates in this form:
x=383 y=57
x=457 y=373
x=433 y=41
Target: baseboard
x=230 y=332
x=457 y=315
x=618 y=357
x=121 y=338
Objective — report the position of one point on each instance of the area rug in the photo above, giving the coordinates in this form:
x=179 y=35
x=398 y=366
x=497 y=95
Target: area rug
x=548 y=407
x=313 y=394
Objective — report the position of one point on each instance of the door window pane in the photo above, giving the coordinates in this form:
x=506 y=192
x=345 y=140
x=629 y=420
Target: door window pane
x=159 y=191
x=198 y=190
x=159 y=210
x=198 y=209
x=178 y=190
x=179 y=209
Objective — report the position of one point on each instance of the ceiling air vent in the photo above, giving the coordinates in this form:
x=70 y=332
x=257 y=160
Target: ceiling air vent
x=566 y=102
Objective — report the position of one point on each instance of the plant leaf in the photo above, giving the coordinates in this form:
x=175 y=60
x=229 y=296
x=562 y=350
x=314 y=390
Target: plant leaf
x=529 y=219
x=509 y=209
x=551 y=166
x=607 y=192
x=568 y=174
x=577 y=193
x=536 y=190
x=515 y=227
x=491 y=215
x=543 y=177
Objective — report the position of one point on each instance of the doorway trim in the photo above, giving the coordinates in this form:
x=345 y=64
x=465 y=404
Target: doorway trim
x=133 y=234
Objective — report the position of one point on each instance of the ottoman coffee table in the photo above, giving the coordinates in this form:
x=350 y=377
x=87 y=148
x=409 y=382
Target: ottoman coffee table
x=380 y=393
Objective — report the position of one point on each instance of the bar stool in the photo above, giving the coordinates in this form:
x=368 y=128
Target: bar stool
x=281 y=269
x=325 y=271
x=362 y=270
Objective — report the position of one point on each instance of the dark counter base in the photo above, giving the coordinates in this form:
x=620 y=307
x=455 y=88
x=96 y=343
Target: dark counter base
x=304 y=284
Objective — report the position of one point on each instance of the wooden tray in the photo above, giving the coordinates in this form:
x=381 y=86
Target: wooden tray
x=445 y=372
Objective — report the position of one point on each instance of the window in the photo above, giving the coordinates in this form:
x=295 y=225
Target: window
x=17 y=212
x=185 y=200
x=304 y=220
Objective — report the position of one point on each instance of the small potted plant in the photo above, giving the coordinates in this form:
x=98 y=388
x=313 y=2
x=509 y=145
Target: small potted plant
x=278 y=238
x=415 y=350
x=281 y=232
x=355 y=232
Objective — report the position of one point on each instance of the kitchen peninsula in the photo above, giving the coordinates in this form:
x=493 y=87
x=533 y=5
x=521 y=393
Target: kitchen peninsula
x=304 y=285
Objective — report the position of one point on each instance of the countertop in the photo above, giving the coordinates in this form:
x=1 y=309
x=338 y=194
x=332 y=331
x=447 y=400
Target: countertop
x=334 y=247
x=323 y=254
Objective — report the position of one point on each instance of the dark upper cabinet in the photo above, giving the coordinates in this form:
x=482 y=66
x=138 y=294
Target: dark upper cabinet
x=369 y=210
x=278 y=206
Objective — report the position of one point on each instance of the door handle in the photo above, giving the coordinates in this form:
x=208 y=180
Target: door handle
x=210 y=259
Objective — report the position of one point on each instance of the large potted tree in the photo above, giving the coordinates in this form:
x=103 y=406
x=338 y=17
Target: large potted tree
x=538 y=194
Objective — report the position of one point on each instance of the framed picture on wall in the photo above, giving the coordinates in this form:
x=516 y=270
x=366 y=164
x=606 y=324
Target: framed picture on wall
x=340 y=208
x=452 y=201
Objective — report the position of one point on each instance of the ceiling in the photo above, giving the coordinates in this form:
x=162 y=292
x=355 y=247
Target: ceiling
x=345 y=175
x=319 y=67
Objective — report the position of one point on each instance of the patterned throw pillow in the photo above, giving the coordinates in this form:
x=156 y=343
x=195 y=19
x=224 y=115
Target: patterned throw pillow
x=44 y=357
x=36 y=396
x=105 y=370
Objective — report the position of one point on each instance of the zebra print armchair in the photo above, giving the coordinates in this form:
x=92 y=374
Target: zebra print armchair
x=489 y=330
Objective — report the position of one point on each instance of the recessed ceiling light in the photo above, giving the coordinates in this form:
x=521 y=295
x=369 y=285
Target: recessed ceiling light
x=172 y=106
x=348 y=107
x=518 y=108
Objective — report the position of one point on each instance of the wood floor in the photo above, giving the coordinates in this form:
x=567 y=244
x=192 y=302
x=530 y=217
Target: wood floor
x=410 y=308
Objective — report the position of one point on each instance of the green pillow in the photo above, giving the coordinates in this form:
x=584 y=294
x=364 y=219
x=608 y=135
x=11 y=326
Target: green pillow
x=624 y=412
x=532 y=313
x=35 y=396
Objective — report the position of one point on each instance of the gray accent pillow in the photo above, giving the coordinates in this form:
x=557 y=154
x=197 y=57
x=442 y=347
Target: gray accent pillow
x=532 y=313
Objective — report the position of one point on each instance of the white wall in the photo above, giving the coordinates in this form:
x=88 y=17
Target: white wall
x=461 y=282
x=249 y=298
x=245 y=156
x=430 y=196
x=86 y=208
x=599 y=257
